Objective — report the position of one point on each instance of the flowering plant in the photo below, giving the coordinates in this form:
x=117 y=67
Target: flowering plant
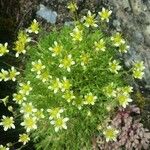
x=71 y=79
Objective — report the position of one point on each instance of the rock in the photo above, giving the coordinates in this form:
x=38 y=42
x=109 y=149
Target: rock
x=47 y=14
x=136 y=6
x=146 y=33
x=138 y=37
x=68 y=23
x=125 y=4
x=116 y=24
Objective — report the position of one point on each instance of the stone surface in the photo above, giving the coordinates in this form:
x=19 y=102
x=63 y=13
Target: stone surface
x=132 y=18
x=146 y=33
x=47 y=14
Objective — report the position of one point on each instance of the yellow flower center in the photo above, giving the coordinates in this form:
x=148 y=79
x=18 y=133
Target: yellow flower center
x=67 y=62
x=59 y=122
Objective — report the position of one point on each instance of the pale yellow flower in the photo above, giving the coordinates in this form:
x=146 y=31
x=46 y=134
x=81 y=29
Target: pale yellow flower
x=3 y=49
x=72 y=6
x=100 y=45
x=105 y=14
x=117 y=39
x=89 y=99
x=85 y=59
x=13 y=73
x=55 y=85
x=39 y=114
x=7 y=123
x=24 y=138
x=77 y=34
x=55 y=112
x=56 y=49
x=123 y=99
x=34 y=28
x=37 y=66
x=110 y=134
x=65 y=84
x=138 y=69
x=25 y=88
x=114 y=66
x=20 y=48
x=23 y=37
x=29 y=123
x=27 y=109
x=59 y=123
x=109 y=90
x=4 y=75
x=19 y=98
x=68 y=96
x=67 y=62
x=90 y=20
x=123 y=48
x=3 y=147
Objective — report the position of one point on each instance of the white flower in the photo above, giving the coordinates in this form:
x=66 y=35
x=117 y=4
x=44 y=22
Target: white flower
x=105 y=14
x=90 y=99
x=90 y=20
x=3 y=147
x=24 y=138
x=4 y=75
x=55 y=112
x=117 y=39
x=56 y=49
x=110 y=134
x=55 y=85
x=37 y=67
x=65 y=84
x=27 y=109
x=138 y=69
x=109 y=90
x=13 y=73
x=44 y=76
x=7 y=123
x=123 y=48
x=39 y=114
x=68 y=95
x=3 y=49
x=100 y=45
x=72 y=6
x=59 y=123
x=29 y=123
x=34 y=28
x=25 y=88
x=114 y=66
x=67 y=62
x=123 y=99
x=77 y=34
x=19 y=98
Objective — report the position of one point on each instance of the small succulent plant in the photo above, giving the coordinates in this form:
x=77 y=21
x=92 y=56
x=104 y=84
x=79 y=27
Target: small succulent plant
x=132 y=133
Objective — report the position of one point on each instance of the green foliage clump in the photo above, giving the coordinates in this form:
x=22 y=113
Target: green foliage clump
x=72 y=82
x=90 y=77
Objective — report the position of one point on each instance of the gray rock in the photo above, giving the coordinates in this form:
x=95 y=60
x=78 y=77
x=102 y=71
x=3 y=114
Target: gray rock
x=146 y=33
x=125 y=4
x=116 y=24
x=69 y=23
x=136 y=6
x=138 y=37
x=47 y=14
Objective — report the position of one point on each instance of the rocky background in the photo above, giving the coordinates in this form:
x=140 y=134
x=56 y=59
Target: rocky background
x=131 y=17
